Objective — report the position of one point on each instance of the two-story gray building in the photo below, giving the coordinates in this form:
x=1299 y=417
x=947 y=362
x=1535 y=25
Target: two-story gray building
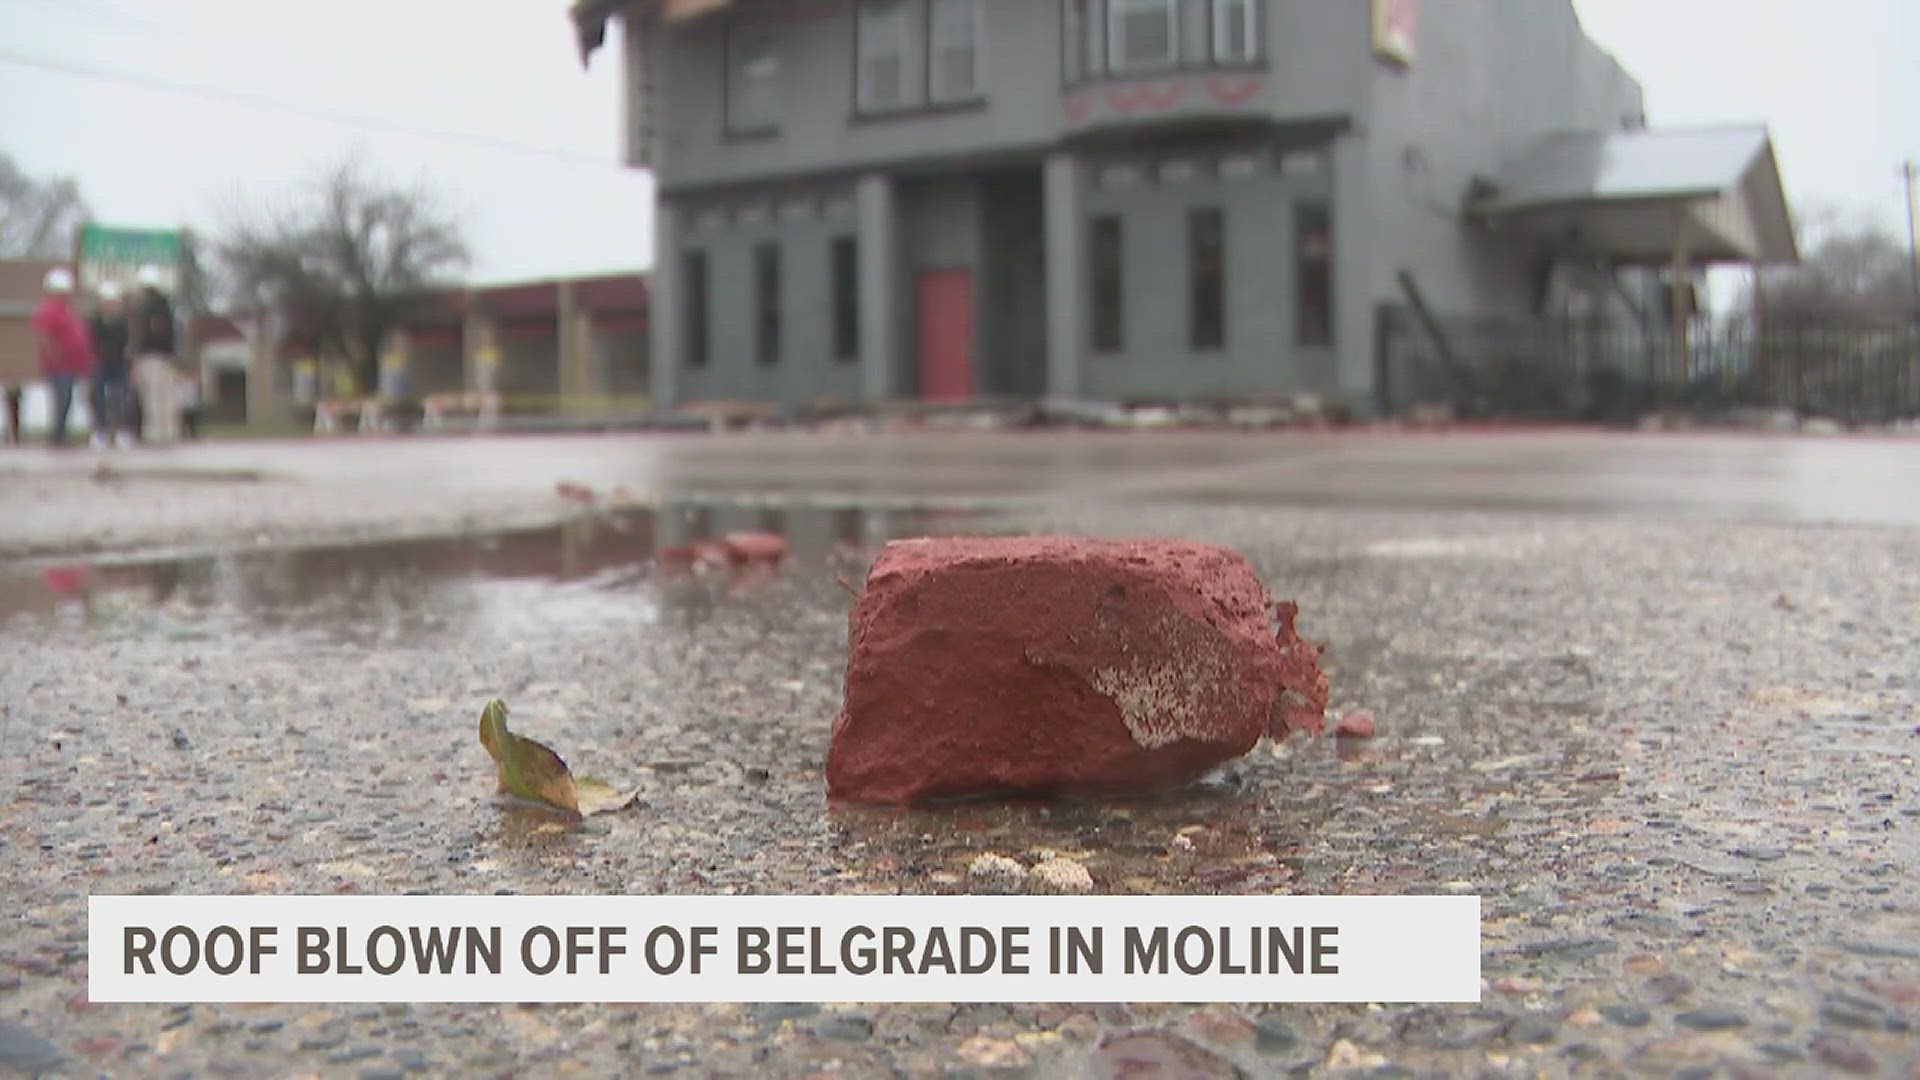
x=1123 y=200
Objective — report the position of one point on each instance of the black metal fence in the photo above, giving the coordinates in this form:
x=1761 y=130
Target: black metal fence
x=1610 y=371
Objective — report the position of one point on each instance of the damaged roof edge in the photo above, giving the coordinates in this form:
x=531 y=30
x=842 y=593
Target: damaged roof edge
x=590 y=17
x=590 y=24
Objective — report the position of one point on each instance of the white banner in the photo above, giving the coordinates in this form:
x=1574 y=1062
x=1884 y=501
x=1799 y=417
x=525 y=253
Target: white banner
x=784 y=949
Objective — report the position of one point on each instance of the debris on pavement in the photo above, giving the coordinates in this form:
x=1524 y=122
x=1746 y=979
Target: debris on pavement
x=1061 y=875
x=529 y=770
x=1357 y=725
x=991 y=873
x=1062 y=666
x=756 y=547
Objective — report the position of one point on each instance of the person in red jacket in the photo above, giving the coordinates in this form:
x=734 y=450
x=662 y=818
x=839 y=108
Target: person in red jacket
x=66 y=348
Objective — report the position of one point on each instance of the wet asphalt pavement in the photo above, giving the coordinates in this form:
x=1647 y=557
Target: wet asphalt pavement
x=1653 y=699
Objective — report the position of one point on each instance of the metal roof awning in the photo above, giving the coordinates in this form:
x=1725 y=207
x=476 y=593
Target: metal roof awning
x=1635 y=197
x=590 y=16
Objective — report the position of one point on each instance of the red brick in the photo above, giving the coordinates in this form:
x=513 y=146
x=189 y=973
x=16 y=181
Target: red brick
x=1059 y=666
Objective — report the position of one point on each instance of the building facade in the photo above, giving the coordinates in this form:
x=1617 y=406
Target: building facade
x=1084 y=200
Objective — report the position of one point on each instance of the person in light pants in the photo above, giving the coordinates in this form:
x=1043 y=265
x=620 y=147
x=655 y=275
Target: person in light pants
x=155 y=378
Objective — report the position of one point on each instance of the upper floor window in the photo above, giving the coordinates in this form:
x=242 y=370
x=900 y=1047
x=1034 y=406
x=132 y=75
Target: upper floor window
x=1127 y=36
x=1233 y=31
x=753 y=79
x=910 y=54
x=1142 y=34
x=885 y=76
x=1080 y=27
x=953 y=48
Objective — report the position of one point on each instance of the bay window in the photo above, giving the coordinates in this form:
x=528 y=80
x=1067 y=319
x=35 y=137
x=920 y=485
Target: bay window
x=1142 y=34
x=1137 y=36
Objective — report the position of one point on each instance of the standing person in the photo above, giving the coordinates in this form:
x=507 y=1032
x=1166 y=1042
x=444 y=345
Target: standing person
x=155 y=378
x=112 y=390
x=66 y=349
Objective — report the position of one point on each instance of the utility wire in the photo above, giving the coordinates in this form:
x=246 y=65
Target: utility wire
x=338 y=116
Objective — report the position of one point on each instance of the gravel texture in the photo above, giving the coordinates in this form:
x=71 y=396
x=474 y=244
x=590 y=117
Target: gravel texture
x=1675 y=761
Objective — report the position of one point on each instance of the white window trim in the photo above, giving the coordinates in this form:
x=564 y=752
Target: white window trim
x=1223 y=10
x=895 y=36
x=976 y=40
x=1117 y=12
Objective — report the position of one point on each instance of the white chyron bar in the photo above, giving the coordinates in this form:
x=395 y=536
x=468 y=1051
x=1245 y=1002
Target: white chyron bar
x=783 y=948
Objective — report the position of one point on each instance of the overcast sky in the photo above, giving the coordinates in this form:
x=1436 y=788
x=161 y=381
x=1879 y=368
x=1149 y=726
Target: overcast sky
x=436 y=79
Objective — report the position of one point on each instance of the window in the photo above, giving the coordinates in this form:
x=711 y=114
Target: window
x=766 y=291
x=1142 y=34
x=1207 y=270
x=1313 y=273
x=1128 y=36
x=1107 y=279
x=753 y=80
x=693 y=292
x=1194 y=32
x=884 y=32
x=1234 y=36
x=953 y=49
x=846 y=299
x=1076 y=17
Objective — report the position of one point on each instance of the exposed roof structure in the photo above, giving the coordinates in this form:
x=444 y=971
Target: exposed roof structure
x=1622 y=194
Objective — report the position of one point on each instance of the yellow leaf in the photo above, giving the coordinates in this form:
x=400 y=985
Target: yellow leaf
x=599 y=797
x=529 y=770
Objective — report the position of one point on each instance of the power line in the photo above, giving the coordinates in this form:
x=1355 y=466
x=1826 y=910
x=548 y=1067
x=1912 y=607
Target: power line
x=253 y=101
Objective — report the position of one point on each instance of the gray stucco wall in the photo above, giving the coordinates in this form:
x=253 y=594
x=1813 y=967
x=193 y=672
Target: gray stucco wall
x=1489 y=75
x=1259 y=355
x=803 y=225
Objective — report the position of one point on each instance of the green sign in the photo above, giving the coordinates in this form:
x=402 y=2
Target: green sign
x=110 y=253
x=145 y=247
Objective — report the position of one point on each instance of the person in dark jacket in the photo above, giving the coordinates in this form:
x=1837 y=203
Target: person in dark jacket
x=112 y=389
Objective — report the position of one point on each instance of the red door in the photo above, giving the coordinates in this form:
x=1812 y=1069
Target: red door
x=946 y=335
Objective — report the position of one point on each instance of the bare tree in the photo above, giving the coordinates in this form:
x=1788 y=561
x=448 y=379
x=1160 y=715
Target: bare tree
x=38 y=216
x=345 y=265
x=1855 y=271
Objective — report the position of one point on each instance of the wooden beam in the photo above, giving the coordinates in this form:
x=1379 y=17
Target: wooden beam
x=1682 y=296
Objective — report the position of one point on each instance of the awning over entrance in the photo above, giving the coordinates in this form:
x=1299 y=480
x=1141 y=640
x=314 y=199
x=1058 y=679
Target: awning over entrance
x=1708 y=195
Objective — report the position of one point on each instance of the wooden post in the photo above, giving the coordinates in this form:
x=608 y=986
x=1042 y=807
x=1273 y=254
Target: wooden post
x=1682 y=296
x=1762 y=366
x=260 y=388
x=567 y=350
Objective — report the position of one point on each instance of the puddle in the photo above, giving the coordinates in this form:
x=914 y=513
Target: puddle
x=597 y=568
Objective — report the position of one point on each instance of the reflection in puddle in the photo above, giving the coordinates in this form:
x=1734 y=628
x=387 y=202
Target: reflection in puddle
x=596 y=568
